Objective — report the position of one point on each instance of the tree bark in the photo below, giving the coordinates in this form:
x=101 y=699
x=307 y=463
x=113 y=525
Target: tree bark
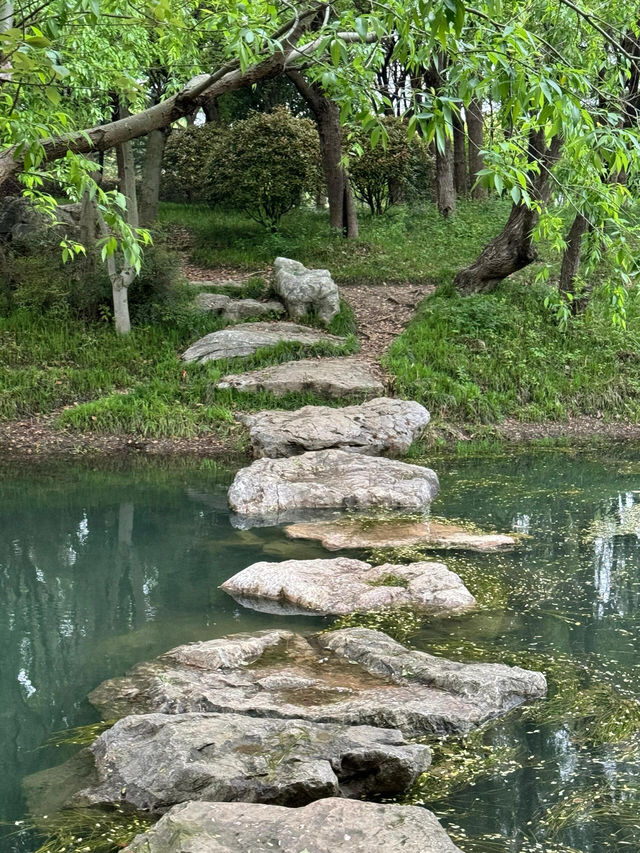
x=342 y=210
x=445 y=182
x=151 y=176
x=227 y=78
x=571 y=260
x=475 y=132
x=459 y=156
x=211 y=111
x=513 y=248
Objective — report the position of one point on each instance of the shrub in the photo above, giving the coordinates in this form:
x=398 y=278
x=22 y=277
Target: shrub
x=264 y=165
x=186 y=155
x=390 y=173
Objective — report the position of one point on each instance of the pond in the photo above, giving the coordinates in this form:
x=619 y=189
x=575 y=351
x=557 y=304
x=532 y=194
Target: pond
x=102 y=569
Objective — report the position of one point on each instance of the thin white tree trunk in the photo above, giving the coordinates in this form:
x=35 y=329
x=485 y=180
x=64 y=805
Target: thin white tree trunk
x=120 y=282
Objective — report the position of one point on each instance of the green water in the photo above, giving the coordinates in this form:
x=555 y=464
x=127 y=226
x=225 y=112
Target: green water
x=99 y=570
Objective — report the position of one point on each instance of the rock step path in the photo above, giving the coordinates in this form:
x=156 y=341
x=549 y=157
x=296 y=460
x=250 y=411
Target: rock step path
x=335 y=378
x=379 y=426
x=246 y=338
x=340 y=586
x=353 y=676
x=351 y=533
x=326 y=826
x=237 y=309
x=271 y=491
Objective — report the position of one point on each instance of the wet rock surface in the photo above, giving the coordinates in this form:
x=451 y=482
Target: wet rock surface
x=342 y=586
x=330 y=377
x=246 y=338
x=326 y=826
x=355 y=676
x=153 y=761
x=303 y=290
x=270 y=491
x=237 y=309
x=398 y=533
x=379 y=426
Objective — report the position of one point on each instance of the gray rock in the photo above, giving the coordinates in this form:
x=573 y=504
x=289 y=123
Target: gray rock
x=330 y=377
x=354 y=676
x=270 y=491
x=246 y=338
x=303 y=290
x=399 y=533
x=383 y=425
x=153 y=761
x=326 y=826
x=19 y=219
x=237 y=309
x=342 y=586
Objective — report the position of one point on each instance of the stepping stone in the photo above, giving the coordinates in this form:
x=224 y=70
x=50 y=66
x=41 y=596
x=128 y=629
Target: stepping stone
x=237 y=309
x=342 y=586
x=354 y=676
x=327 y=826
x=398 y=533
x=271 y=491
x=383 y=425
x=303 y=290
x=154 y=761
x=336 y=378
x=238 y=285
x=246 y=338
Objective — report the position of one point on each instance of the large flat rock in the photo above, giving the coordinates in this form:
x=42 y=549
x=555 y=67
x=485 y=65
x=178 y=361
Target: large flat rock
x=154 y=761
x=237 y=309
x=354 y=676
x=247 y=338
x=336 y=378
x=303 y=290
x=398 y=533
x=326 y=826
x=342 y=586
x=383 y=425
x=274 y=490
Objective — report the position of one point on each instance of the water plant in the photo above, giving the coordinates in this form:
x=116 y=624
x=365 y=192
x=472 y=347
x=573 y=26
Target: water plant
x=400 y=623
x=87 y=830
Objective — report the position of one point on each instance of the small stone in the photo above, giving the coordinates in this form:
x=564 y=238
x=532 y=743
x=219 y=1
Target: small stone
x=341 y=586
x=237 y=309
x=303 y=290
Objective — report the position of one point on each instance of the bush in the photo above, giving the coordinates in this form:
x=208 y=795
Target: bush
x=392 y=173
x=264 y=165
x=186 y=155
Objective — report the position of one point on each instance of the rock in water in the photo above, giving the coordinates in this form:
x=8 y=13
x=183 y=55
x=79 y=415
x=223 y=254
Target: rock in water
x=330 y=377
x=246 y=338
x=326 y=826
x=237 y=309
x=383 y=425
x=399 y=533
x=342 y=586
x=153 y=761
x=355 y=676
x=270 y=491
x=303 y=290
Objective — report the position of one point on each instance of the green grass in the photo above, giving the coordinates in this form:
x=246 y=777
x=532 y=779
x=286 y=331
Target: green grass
x=406 y=244
x=484 y=358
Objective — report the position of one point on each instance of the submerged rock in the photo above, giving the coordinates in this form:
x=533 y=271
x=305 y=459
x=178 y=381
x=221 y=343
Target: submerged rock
x=383 y=425
x=275 y=490
x=246 y=338
x=398 y=533
x=326 y=826
x=237 y=309
x=330 y=377
x=153 y=761
x=342 y=586
x=303 y=290
x=355 y=676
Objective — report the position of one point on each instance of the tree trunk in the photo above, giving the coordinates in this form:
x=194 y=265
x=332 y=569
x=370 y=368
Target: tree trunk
x=211 y=111
x=513 y=248
x=342 y=210
x=445 y=184
x=151 y=175
x=127 y=177
x=475 y=131
x=459 y=156
x=571 y=260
